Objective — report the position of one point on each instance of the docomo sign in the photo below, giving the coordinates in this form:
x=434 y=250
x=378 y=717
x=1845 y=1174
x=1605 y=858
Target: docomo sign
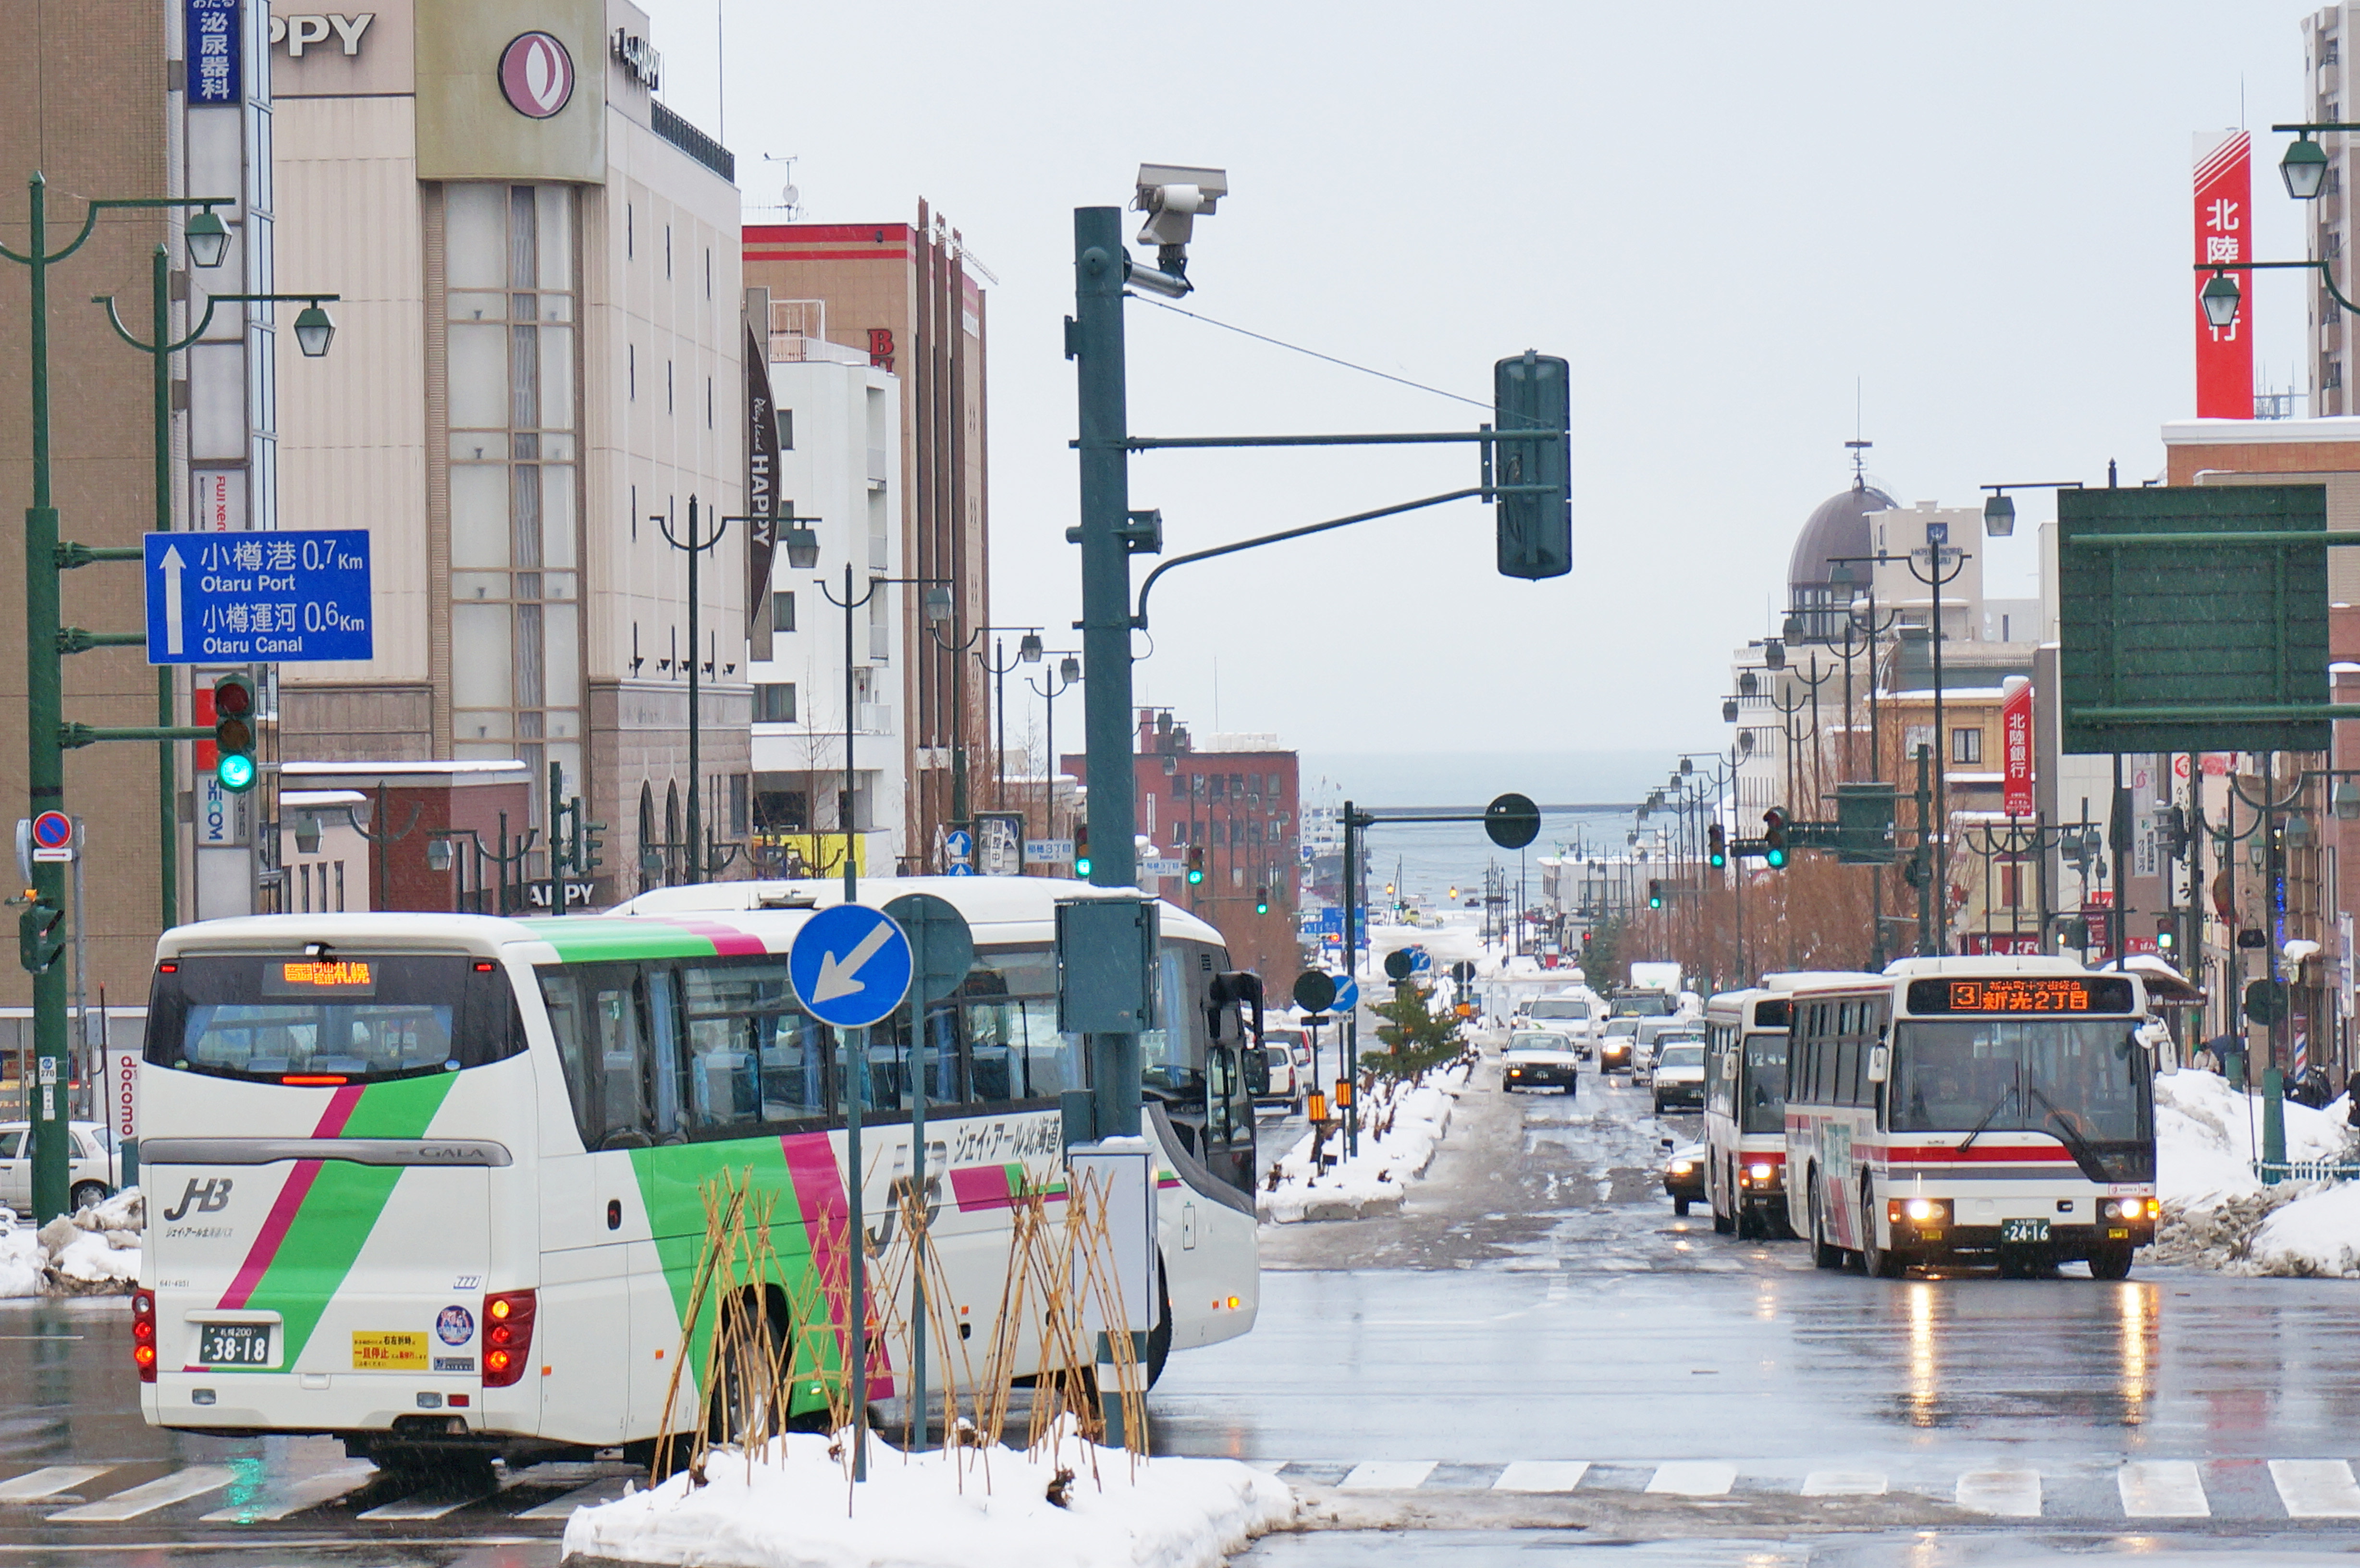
x=122 y=1088
x=536 y=75
x=2016 y=747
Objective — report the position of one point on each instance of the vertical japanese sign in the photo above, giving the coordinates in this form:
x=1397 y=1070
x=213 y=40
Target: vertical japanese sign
x=2016 y=747
x=2224 y=356
x=213 y=42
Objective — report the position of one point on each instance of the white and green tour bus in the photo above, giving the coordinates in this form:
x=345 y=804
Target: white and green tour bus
x=430 y=1183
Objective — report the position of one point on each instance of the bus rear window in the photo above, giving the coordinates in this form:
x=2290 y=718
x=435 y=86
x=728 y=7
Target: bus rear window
x=344 y=1019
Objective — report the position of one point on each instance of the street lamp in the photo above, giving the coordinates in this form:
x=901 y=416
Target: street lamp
x=696 y=548
x=2304 y=167
x=847 y=798
x=207 y=239
x=1069 y=676
x=1999 y=508
x=313 y=331
x=2221 y=296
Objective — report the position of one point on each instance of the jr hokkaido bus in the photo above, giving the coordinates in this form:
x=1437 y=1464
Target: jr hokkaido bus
x=1984 y=1109
x=429 y=1183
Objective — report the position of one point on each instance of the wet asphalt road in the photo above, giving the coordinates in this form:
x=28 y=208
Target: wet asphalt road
x=1514 y=1370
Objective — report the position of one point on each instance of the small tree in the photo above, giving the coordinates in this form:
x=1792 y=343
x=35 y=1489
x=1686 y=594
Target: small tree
x=1417 y=1040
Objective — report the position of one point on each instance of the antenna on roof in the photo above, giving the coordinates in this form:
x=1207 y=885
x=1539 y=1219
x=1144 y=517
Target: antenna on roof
x=1857 y=445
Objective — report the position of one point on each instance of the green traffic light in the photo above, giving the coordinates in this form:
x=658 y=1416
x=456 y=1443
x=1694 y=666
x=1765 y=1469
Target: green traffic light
x=1081 y=866
x=1773 y=858
x=1195 y=877
x=235 y=773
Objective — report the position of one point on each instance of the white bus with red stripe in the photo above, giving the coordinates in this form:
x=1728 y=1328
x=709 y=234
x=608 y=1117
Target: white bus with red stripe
x=1972 y=1110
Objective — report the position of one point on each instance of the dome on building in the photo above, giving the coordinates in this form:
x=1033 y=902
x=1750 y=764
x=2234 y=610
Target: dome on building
x=1838 y=527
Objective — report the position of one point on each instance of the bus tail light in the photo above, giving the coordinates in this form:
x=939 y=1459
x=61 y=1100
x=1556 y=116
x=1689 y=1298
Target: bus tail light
x=1918 y=1211
x=507 y=1341
x=143 y=1334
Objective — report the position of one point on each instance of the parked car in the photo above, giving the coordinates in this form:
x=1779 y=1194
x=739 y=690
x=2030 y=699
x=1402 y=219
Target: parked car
x=1286 y=1080
x=1677 y=1075
x=90 y=1175
x=1296 y=1043
x=1617 y=1047
x=1684 y=1177
x=1539 y=1058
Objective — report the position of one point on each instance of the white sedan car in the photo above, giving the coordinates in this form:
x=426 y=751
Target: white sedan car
x=1539 y=1058
x=91 y=1173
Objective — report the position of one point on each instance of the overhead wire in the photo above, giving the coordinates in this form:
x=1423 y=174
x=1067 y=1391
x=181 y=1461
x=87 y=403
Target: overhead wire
x=1313 y=352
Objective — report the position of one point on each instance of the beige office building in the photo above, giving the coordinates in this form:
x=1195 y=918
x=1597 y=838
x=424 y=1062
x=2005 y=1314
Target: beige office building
x=539 y=369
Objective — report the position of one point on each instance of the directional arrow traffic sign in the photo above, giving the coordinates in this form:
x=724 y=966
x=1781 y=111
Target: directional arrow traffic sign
x=266 y=597
x=850 y=965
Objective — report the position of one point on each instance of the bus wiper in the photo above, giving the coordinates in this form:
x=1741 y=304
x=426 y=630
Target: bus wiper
x=2071 y=1139
x=2005 y=1096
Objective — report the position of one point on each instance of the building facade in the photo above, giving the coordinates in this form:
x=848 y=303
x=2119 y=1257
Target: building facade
x=535 y=408
x=2331 y=86
x=909 y=300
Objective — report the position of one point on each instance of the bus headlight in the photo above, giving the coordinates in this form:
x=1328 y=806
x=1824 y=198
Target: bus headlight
x=1761 y=1174
x=1918 y=1211
x=1682 y=1166
x=2131 y=1208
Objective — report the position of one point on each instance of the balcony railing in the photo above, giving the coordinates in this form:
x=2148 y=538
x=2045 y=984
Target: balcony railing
x=693 y=141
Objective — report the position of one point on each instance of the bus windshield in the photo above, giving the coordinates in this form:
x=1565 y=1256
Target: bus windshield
x=1765 y=1083
x=1559 y=1008
x=342 y=1018
x=2084 y=1081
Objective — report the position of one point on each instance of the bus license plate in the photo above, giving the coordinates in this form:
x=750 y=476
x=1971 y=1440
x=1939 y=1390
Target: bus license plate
x=2023 y=1230
x=233 y=1345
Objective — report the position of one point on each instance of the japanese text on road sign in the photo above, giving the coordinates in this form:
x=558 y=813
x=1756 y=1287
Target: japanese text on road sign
x=279 y=596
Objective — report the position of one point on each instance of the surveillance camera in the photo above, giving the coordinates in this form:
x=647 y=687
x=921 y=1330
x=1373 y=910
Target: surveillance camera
x=1174 y=196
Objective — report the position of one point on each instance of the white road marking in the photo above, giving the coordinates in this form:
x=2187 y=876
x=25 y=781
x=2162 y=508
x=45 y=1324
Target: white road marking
x=1841 y=1482
x=1542 y=1475
x=2317 y=1488
x=605 y=1491
x=276 y=1502
x=1694 y=1478
x=48 y=1483
x=2163 y=1489
x=2009 y=1493
x=195 y=1480
x=427 y=1505
x=1388 y=1475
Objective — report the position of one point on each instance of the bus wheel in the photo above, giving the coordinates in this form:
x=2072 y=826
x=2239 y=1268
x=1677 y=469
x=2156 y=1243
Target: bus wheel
x=2110 y=1263
x=1824 y=1255
x=1877 y=1262
x=749 y=1395
x=1722 y=1225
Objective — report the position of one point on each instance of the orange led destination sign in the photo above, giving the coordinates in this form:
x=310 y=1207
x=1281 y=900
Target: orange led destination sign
x=2022 y=994
x=291 y=977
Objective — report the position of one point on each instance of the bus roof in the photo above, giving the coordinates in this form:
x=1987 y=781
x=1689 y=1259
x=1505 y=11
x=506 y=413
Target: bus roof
x=700 y=923
x=1738 y=1005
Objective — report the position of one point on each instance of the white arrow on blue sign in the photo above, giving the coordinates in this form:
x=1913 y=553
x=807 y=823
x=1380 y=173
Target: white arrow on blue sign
x=850 y=965
x=253 y=598
x=1347 y=994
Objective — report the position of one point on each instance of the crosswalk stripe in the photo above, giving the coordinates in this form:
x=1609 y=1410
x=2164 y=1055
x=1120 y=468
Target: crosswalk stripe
x=2163 y=1489
x=1693 y=1478
x=275 y=1501
x=2316 y=1489
x=1388 y=1475
x=431 y=1504
x=1542 y=1475
x=2008 y=1494
x=597 y=1492
x=146 y=1498
x=1843 y=1484
x=48 y=1483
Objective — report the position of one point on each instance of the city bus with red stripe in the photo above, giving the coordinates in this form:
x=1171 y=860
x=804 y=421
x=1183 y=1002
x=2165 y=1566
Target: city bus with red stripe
x=1990 y=1109
x=1744 y=1112
x=433 y=1183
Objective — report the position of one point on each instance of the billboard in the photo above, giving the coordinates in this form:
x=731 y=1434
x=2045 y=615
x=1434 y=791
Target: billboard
x=2224 y=356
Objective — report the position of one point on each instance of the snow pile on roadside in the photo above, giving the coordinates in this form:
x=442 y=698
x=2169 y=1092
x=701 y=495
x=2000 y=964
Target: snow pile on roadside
x=2217 y=1215
x=1401 y=1126
x=978 y=1508
x=93 y=1253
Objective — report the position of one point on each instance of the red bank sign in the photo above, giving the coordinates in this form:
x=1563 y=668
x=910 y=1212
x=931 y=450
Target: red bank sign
x=2016 y=750
x=2224 y=356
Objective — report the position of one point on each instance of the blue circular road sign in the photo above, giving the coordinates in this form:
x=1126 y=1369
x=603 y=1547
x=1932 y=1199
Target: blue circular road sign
x=53 y=830
x=850 y=965
x=1348 y=994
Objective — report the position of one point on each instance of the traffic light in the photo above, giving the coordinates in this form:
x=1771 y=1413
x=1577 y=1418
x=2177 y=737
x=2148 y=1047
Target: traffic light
x=234 y=731
x=2174 y=825
x=1081 y=852
x=1533 y=392
x=39 y=936
x=1773 y=838
x=1196 y=865
x=1261 y=900
x=1655 y=895
x=1716 y=839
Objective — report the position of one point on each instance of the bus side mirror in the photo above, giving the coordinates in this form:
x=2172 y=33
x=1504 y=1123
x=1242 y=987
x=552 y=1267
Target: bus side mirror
x=1879 y=1060
x=1257 y=1065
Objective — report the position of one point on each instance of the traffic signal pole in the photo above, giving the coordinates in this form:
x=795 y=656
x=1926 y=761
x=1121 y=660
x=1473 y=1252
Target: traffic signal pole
x=1094 y=340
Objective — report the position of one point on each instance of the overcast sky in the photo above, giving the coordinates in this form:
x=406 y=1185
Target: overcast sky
x=1727 y=217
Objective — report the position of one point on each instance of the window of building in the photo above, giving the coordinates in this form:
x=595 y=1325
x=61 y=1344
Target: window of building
x=514 y=485
x=1914 y=735
x=708 y=402
x=774 y=703
x=741 y=786
x=631 y=375
x=671 y=405
x=786 y=417
x=1967 y=743
x=667 y=250
x=1216 y=785
x=782 y=611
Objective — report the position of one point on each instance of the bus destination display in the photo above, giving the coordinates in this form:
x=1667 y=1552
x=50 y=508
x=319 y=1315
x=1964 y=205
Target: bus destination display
x=319 y=977
x=2022 y=994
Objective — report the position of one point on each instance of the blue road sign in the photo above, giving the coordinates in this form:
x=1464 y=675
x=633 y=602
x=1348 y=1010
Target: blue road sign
x=1347 y=994
x=1331 y=922
x=259 y=597
x=850 y=965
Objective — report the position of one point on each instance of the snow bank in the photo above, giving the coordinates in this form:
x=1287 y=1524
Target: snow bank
x=1413 y=1120
x=980 y=1508
x=93 y=1253
x=2217 y=1215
